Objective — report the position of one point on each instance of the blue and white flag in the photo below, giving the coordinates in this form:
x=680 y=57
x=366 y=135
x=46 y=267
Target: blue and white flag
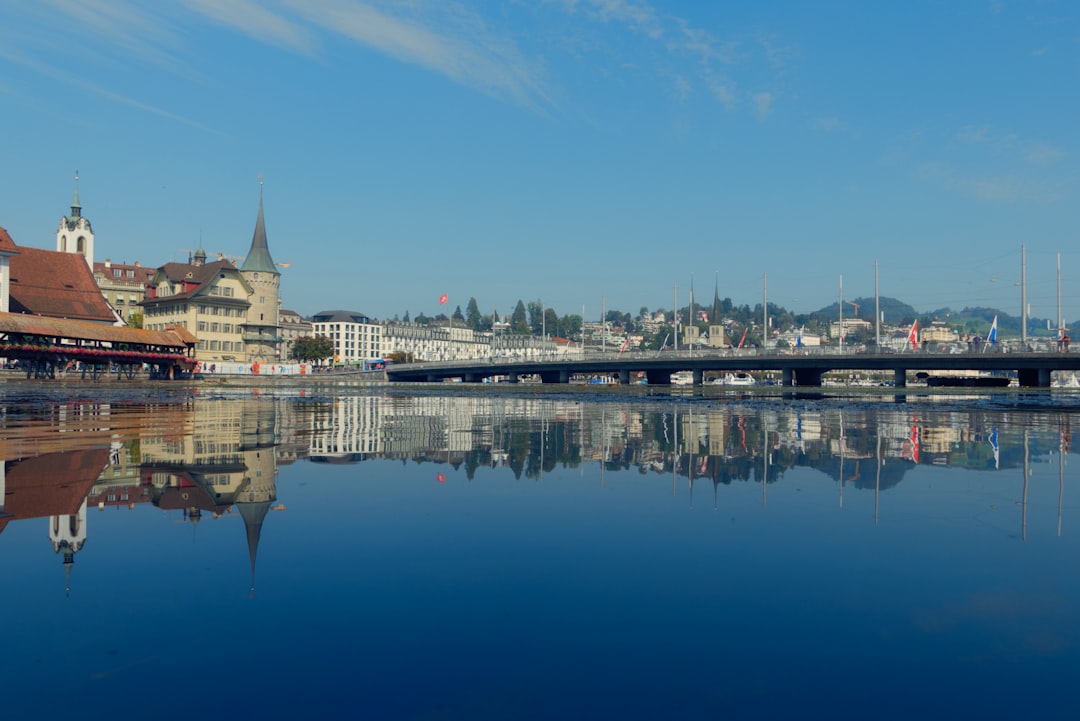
x=991 y=337
x=994 y=445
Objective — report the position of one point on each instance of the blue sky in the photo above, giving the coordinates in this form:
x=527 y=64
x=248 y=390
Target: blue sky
x=578 y=152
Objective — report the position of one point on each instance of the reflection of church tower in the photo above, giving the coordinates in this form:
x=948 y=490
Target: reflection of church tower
x=75 y=234
x=258 y=440
x=261 y=331
x=68 y=534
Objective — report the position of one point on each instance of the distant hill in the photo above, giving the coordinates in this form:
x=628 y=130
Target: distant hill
x=896 y=312
x=975 y=320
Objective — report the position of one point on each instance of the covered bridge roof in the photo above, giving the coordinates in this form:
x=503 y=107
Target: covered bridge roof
x=79 y=330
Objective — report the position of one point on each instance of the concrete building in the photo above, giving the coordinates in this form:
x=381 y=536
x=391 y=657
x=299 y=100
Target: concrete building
x=356 y=337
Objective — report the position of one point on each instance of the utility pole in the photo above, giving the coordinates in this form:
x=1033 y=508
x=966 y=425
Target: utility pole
x=1023 y=297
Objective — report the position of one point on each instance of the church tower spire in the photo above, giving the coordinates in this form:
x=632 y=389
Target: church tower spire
x=75 y=234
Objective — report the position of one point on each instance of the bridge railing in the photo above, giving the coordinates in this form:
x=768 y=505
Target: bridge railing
x=1034 y=347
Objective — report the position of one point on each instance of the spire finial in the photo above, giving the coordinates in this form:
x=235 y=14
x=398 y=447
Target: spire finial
x=76 y=209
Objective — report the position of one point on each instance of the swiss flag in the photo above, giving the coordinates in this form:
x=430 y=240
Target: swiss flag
x=444 y=298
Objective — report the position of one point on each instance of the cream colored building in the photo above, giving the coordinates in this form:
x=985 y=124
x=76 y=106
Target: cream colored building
x=232 y=311
x=123 y=286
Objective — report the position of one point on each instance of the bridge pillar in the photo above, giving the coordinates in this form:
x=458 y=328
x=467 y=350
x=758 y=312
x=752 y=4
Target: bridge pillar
x=624 y=378
x=513 y=378
x=900 y=377
x=658 y=377
x=472 y=378
x=787 y=377
x=809 y=377
x=699 y=377
x=555 y=377
x=1034 y=377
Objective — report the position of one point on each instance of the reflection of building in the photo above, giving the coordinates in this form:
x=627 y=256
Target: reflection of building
x=225 y=459
x=53 y=486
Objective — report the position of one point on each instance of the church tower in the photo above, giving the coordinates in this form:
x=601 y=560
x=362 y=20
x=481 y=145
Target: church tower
x=68 y=534
x=262 y=332
x=75 y=234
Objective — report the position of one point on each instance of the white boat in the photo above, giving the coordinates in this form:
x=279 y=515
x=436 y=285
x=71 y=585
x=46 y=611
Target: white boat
x=682 y=378
x=1071 y=382
x=737 y=379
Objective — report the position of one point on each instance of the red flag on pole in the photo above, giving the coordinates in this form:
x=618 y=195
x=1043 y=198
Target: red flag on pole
x=440 y=477
x=913 y=334
x=444 y=298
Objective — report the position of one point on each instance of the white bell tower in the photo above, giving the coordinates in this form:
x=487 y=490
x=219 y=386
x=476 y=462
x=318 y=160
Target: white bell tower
x=75 y=234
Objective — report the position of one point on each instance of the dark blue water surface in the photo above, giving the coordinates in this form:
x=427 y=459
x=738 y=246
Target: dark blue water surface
x=258 y=553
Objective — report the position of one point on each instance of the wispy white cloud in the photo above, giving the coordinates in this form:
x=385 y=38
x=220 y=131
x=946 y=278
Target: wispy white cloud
x=1036 y=153
x=830 y=124
x=441 y=37
x=134 y=28
x=1003 y=188
x=714 y=60
x=89 y=86
x=259 y=22
x=639 y=16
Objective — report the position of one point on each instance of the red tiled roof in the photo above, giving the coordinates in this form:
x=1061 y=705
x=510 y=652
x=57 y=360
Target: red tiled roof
x=54 y=484
x=6 y=243
x=54 y=284
x=188 y=279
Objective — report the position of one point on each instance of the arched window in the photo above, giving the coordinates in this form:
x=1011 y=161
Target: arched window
x=80 y=246
x=63 y=243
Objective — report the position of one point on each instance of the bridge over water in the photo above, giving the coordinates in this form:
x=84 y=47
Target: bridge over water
x=803 y=367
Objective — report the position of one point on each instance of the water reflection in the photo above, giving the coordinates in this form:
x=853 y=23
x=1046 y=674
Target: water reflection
x=198 y=458
x=513 y=551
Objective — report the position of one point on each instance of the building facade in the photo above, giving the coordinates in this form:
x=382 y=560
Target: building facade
x=232 y=311
x=123 y=286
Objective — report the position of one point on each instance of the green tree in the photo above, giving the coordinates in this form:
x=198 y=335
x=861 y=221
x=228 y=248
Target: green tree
x=472 y=315
x=406 y=319
x=551 y=321
x=312 y=348
x=518 y=321
x=458 y=315
x=135 y=320
x=536 y=310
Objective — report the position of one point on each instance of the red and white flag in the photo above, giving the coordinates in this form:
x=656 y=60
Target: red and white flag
x=444 y=298
x=913 y=334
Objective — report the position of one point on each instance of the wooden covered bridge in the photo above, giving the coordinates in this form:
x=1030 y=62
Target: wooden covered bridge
x=47 y=347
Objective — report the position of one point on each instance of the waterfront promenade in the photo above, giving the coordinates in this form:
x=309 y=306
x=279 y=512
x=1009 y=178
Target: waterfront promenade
x=801 y=367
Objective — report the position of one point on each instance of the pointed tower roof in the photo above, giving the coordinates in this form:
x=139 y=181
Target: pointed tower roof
x=253 y=515
x=76 y=209
x=258 y=258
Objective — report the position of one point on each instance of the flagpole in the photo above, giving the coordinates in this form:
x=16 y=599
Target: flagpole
x=1023 y=297
x=765 y=309
x=877 y=312
x=841 y=312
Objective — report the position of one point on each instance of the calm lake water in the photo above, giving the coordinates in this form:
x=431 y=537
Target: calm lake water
x=388 y=553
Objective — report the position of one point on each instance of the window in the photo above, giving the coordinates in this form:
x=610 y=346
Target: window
x=116 y=272
x=131 y=274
